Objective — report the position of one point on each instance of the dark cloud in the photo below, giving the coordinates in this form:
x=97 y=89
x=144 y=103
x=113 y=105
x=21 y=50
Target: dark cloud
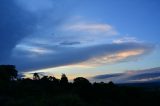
x=69 y=43
x=20 y=19
x=146 y=75
x=105 y=76
x=15 y=24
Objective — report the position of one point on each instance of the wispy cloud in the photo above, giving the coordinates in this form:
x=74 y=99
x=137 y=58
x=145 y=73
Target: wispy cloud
x=87 y=32
x=31 y=51
x=92 y=28
x=115 y=57
x=126 y=39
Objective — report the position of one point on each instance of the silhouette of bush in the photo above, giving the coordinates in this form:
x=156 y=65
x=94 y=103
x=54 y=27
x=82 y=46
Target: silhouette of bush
x=8 y=72
x=81 y=82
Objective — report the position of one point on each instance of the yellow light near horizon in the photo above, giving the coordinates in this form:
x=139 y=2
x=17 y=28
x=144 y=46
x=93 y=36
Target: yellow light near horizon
x=76 y=70
x=57 y=71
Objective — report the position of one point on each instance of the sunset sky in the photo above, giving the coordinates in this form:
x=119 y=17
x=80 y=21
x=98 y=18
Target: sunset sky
x=104 y=40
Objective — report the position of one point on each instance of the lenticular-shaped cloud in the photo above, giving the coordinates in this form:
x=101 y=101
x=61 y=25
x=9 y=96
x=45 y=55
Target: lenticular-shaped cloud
x=91 y=28
x=53 y=56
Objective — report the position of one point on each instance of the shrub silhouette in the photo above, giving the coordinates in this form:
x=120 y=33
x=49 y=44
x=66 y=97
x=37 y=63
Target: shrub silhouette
x=8 y=72
x=81 y=82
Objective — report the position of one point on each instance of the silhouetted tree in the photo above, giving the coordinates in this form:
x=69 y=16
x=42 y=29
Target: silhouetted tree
x=45 y=78
x=111 y=84
x=53 y=79
x=36 y=76
x=50 y=78
x=8 y=72
x=64 y=79
x=81 y=82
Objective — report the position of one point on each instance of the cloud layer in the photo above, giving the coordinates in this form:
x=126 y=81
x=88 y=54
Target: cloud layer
x=45 y=56
x=39 y=34
x=146 y=75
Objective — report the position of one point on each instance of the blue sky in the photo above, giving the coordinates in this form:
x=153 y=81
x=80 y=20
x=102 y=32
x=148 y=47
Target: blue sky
x=80 y=37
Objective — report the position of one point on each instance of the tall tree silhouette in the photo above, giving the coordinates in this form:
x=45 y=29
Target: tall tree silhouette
x=8 y=72
x=64 y=79
x=36 y=76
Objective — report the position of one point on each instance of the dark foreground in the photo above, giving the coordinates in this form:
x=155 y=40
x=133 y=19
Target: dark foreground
x=49 y=93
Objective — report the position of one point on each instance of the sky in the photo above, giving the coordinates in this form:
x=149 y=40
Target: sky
x=96 y=39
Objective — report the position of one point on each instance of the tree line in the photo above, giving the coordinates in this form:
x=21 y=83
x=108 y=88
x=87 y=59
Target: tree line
x=9 y=73
x=50 y=91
